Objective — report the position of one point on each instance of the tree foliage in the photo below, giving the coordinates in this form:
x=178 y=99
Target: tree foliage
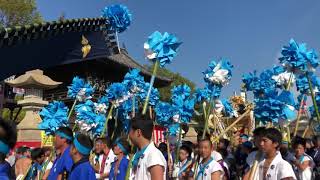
x=177 y=79
x=18 y=13
x=6 y=114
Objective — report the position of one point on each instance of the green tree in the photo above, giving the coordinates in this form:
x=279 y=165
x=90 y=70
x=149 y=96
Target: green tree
x=177 y=79
x=18 y=13
x=6 y=113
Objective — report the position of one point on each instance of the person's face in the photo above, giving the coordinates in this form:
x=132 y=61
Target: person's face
x=116 y=150
x=73 y=152
x=135 y=135
x=308 y=145
x=98 y=147
x=205 y=149
x=256 y=141
x=196 y=149
x=221 y=145
x=27 y=154
x=299 y=150
x=318 y=143
x=242 y=140
x=58 y=143
x=47 y=153
x=183 y=155
x=40 y=160
x=267 y=145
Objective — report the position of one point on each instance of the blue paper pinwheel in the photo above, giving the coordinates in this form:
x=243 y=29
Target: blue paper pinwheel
x=202 y=94
x=228 y=109
x=218 y=73
x=162 y=48
x=53 y=116
x=118 y=16
x=88 y=120
x=116 y=91
x=80 y=90
x=154 y=94
x=133 y=80
x=303 y=85
x=183 y=102
x=296 y=58
x=164 y=113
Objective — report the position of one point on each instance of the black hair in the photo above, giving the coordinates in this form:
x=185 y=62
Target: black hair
x=24 y=149
x=45 y=149
x=68 y=132
x=37 y=153
x=144 y=123
x=206 y=140
x=8 y=135
x=259 y=131
x=226 y=142
x=315 y=139
x=299 y=141
x=162 y=147
x=273 y=134
x=187 y=149
x=105 y=140
x=85 y=141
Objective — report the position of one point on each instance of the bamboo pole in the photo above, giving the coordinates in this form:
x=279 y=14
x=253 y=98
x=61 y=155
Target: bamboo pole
x=235 y=122
x=299 y=116
x=154 y=73
x=253 y=169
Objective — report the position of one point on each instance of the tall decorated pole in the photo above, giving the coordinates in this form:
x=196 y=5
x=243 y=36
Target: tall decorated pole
x=160 y=49
x=216 y=76
x=80 y=91
x=118 y=18
x=54 y=116
x=297 y=59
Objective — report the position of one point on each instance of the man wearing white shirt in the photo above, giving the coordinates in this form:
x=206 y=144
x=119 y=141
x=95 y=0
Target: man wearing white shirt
x=272 y=167
x=104 y=159
x=208 y=169
x=148 y=163
x=257 y=133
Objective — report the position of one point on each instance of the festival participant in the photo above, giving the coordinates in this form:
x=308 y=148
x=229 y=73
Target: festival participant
x=80 y=151
x=208 y=169
x=8 y=138
x=215 y=154
x=309 y=146
x=257 y=133
x=315 y=154
x=285 y=153
x=119 y=167
x=23 y=164
x=303 y=163
x=148 y=163
x=185 y=162
x=38 y=159
x=104 y=157
x=243 y=138
x=272 y=166
x=63 y=163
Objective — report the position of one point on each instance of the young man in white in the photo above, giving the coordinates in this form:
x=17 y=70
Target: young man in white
x=148 y=163
x=272 y=167
x=208 y=169
x=104 y=158
x=303 y=163
x=257 y=133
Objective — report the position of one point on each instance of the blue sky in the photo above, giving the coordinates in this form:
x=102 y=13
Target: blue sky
x=248 y=32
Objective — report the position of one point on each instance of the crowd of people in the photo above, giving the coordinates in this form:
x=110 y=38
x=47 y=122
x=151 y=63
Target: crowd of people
x=75 y=156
